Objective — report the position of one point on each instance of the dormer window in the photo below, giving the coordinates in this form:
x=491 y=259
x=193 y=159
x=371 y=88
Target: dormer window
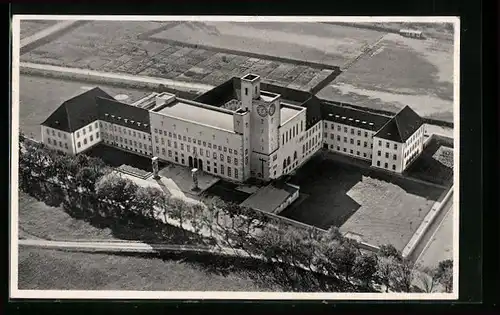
x=112 y=116
x=119 y=118
x=138 y=124
x=126 y=120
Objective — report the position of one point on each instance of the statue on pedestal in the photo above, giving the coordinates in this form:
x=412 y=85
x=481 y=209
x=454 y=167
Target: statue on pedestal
x=154 y=162
x=194 y=174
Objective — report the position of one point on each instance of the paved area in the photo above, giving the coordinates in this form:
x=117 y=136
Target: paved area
x=46 y=32
x=440 y=245
x=180 y=178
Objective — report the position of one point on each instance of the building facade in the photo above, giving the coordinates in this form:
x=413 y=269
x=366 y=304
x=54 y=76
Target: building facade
x=241 y=129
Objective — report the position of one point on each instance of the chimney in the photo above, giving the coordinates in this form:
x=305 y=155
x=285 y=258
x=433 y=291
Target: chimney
x=164 y=98
x=250 y=90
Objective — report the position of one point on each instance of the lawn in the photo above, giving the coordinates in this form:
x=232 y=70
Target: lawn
x=31 y=27
x=316 y=42
x=42 y=269
x=375 y=205
x=39 y=97
x=120 y=50
x=400 y=71
x=435 y=164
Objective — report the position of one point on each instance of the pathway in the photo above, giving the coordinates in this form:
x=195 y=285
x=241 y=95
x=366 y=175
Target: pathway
x=99 y=76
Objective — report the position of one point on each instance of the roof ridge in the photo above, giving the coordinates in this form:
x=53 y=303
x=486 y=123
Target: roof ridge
x=67 y=116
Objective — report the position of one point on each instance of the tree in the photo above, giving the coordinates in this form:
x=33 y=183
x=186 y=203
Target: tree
x=120 y=192
x=403 y=275
x=333 y=234
x=390 y=251
x=177 y=210
x=444 y=274
x=385 y=271
x=344 y=259
x=428 y=279
x=365 y=267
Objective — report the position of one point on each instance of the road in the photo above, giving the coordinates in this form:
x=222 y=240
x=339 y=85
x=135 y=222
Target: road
x=437 y=243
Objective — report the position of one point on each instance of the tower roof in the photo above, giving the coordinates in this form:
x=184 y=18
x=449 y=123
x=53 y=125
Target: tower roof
x=402 y=126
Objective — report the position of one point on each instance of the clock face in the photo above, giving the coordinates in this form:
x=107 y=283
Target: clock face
x=272 y=109
x=261 y=110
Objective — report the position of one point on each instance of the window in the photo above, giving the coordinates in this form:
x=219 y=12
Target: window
x=378 y=163
x=209 y=145
x=380 y=142
x=90 y=128
x=156 y=139
x=366 y=134
x=326 y=125
x=78 y=144
x=246 y=91
x=163 y=151
x=158 y=150
x=393 y=167
x=338 y=138
x=140 y=145
x=386 y=155
x=365 y=144
x=235 y=161
x=351 y=141
x=126 y=142
x=387 y=145
x=345 y=150
x=228 y=159
x=135 y=143
x=228 y=171
x=345 y=129
x=50 y=141
x=394 y=157
x=66 y=145
x=352 y=131
x=215 y=170
x=182 y=146
x=183 y=138
x=84 y=140
x=201 y=151
x=215 y=156
x=386 y=165
x=156 y=130
x=175 y=144
x=169 y=143
x=188 y=147
x=364 y=154
x=59 y=134
x=199 y=142
x=208 y=153
x=326 y=135
x=48 y=132
x=345 y=139
x=130 y=133
x=222 y=157
x=97 y=135
x=350 y=151
x=91 y=138
x=338 y=128
x=246 y=160
x=357 y=152
x=378 y=152
x=162 y=141
x=359 y=132
x=236 y=173
x=169 y=153
x=359 y=142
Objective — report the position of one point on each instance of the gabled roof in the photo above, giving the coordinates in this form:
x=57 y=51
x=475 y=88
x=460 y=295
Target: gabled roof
x=401 y=126
x=76 y=112
x=330 y=111
x=123 y=114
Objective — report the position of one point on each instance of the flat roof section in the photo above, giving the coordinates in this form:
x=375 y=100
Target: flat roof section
x=269 y=198
x=199 y=115
x=287 y=113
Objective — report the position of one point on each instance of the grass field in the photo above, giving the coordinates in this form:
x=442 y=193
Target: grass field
x=375 y=205
x=39 y=97
x=400 y=71
x=315 y=42
x=42 y=269
x=31 y=27
x=113 y=46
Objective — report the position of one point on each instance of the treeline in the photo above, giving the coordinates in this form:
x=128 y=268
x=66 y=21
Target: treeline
x=87 y=189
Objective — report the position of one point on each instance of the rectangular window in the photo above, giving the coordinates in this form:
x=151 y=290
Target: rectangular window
x=222 y=169
x=228 y=159
x=90 y=128
x=393 y=167
x=246 y=91
x=49 y=141
x=352 y=131
x=126 y=142
x=78 y=144
x=345 y=150
x=350 y=151
x=338 y=148
x=380 y=143
x=394 y=157
x=140 y=145
x=235 y=173
x=222 y=157
x=169 y=143
x=236 y=151
x=357 y=152
x=359 y=142
x=215 y=155
x=364 y=154
x=387 y=145
x=169 y=153
x=156 y=139
x=91 y=138
x=83 y=130
x=207 y=153
x=59 y=134
x=188 y=147
x=162 y=141
x=345 y=139
x=386 y=165
x=220 y=148
x=215 y=170
x=338 y=128
x=338 y=138
x=359 y=132
x=48 y=132
x=386 y=155
x=66 y=145
x=345 y=129
x=395 y=146
x=84 y=140
x=366 y=134
x=225 y=149
x=170 y=134
x=351 y=141
x=157 y=150
x=97 y=135
x=365 y=144
x=156 y=130
x=378 y=163
x=182 y=146
x=235 y=161
x=183 y=138
x=228 y=171
x=175 y=144
x=135 y=143
x=163 y=151
x=378 y=153
x=325 y=134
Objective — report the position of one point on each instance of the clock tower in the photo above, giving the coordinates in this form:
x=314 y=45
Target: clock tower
x=264 y=107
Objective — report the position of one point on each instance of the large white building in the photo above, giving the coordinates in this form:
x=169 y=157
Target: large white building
x=241 y=129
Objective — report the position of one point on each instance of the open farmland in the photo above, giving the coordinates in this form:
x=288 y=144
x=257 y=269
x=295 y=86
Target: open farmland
x=400 y=71
x=113 y=46
x=312 y=42
x=376 y=206
x=39 y=97
x=31 y=27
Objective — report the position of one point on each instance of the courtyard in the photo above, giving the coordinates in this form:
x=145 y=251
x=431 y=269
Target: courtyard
x=379 y=207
